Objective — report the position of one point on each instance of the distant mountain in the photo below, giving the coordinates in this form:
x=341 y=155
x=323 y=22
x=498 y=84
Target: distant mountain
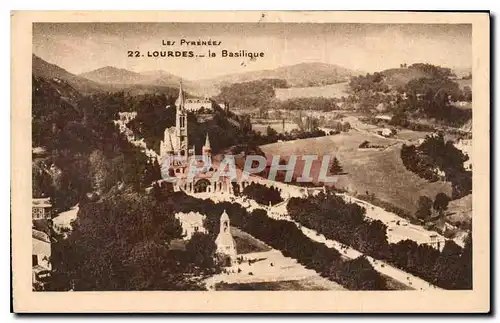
x=163 y=78
x=43 y=69
x=144 y=82
x=299 y=75
x=112 y=75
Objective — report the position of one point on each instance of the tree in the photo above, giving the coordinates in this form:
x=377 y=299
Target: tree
x=447 y=269
x=263 y=194
x=360 y=275
x=335 y=168
x=441 y=203
x=201 y=250
x=424 y=208
x=270 y=132
x=467 y=93
x=98 y=171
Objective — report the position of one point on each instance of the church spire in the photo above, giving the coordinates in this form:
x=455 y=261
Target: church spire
x=180 y=100
x=207 y=142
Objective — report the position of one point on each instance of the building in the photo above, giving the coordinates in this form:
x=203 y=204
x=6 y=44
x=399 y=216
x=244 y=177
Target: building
x=176 y=156
x=225 y=242
x=194 y=105
x=436 y=242
x=40 y=256
x=191 y=223
x=41 y=208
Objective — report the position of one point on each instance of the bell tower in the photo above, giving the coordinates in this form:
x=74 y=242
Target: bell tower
x=181 y=125
x=225 y=242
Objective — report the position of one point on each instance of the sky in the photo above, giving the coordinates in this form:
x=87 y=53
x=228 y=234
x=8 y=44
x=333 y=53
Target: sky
x=82 y=47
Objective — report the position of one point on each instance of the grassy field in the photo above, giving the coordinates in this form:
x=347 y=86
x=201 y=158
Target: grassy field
x=460 y=210
x=377 y=171
x=410 y=135
x=298 y=285
x=328 y=91
x=245 y=243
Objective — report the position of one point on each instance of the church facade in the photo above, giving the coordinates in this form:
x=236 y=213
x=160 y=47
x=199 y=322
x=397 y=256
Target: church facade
x=176 y=156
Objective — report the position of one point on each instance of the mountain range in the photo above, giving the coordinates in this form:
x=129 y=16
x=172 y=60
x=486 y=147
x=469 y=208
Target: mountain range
x=43 y=69
x=111 y=75
x=110 y=78
x=304 y=74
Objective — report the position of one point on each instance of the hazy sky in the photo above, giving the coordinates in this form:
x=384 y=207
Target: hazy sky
x=81 y=47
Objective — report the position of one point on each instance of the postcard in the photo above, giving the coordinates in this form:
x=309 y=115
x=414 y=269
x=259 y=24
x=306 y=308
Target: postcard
x=278 y=162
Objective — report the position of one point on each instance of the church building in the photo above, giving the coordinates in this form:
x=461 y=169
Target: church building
x=225 y=241
x=176 y=156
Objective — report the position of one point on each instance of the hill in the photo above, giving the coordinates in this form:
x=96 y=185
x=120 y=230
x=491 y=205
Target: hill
x=399 y=77
x=54 y=102
x=396 y=77
x=299 y=75
x=48 y=71
x=112 y=75
x=158 y=81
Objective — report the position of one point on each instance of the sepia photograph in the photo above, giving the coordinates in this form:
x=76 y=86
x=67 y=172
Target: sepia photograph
x=273 y=153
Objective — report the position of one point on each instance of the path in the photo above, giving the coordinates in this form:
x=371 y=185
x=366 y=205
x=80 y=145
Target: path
x=270 y=266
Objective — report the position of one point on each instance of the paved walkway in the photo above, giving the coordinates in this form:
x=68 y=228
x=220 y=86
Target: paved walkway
x=269 y=266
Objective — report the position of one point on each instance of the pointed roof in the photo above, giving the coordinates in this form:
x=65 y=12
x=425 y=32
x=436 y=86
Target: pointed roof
x=168 y=143
x=180 y=99
x=207 y=142
x=224 y=216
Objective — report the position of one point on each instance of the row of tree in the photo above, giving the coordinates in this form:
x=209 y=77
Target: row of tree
x=262 y=194
x=356 y=274
x=346 y=222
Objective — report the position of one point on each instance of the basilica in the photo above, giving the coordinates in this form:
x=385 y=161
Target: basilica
x=176 y=156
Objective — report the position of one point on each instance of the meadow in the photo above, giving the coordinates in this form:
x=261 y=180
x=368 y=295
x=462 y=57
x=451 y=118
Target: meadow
x=373 y=171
